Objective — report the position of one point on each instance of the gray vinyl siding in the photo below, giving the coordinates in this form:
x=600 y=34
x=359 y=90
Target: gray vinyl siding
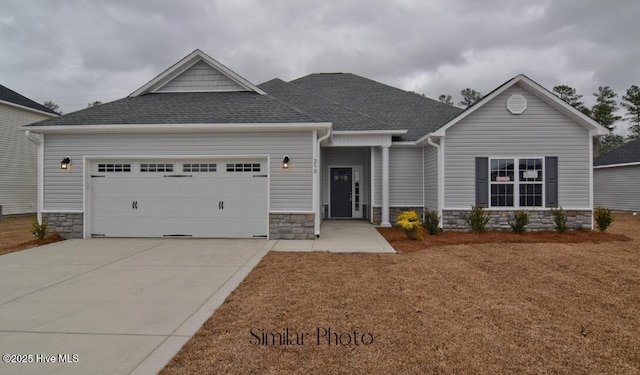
x=201 y=77
x=18 y=169
x=431 y=177
x=405 y=176
x=345 y=156
x=492 y=131
x=617 y=188
x=291 y=190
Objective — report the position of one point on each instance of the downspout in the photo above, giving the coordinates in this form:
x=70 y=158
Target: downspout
x=440 y=176
x=423 y=188
x=317 y=201
x=38 y=139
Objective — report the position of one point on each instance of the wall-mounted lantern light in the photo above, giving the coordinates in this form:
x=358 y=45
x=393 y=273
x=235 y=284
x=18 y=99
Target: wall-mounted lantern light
x=65 y=163
x=285 y=162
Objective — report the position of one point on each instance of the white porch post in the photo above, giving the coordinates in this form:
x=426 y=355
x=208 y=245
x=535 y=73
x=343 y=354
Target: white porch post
x=384 y=220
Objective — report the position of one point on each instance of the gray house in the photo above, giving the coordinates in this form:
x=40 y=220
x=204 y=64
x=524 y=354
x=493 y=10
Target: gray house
x=616 y=178
x=200 y=151
x=19 y=155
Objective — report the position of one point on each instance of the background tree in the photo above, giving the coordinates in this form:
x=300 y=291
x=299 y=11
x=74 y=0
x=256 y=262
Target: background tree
x=569 y=95
x=94 y=104
x=631 y=102
x=52 y=106
x=446 y=99
x=604 y=112
x=470 y=97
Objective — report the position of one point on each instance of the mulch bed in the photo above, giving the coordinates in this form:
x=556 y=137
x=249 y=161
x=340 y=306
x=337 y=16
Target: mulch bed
x=10 y=248
x=15 y=234
x=402 y=244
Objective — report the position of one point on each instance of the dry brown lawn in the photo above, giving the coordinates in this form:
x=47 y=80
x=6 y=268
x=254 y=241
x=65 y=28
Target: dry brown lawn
x=497 y=308
x=15 y=234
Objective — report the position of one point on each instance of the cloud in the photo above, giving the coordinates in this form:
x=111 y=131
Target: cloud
x=75 y=52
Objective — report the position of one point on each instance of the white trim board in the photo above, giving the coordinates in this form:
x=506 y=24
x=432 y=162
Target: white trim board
x=617 y=165
x=187 y=62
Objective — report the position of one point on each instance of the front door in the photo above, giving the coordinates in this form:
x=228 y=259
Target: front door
x=341 y=192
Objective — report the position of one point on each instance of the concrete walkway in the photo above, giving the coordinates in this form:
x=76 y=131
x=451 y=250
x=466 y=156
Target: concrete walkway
x=343 y=236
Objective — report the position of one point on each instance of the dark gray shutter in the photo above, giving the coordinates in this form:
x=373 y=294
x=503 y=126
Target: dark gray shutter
x=482 y=182
x=551 y=180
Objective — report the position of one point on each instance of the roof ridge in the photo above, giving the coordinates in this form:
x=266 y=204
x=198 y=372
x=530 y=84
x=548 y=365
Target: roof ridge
x=338 y=104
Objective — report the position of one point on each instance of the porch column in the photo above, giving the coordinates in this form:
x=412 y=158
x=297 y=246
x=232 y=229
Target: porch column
x=384 y=220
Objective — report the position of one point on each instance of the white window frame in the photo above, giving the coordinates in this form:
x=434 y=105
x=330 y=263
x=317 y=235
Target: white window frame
x=516 y=183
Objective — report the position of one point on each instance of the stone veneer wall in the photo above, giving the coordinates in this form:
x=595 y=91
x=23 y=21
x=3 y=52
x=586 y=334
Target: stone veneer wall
x=393 y=213
x=67 y=225
x=292 y=226
x=538 y=220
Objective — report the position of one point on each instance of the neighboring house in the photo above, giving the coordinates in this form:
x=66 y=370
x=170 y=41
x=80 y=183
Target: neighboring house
x=19 y=155
x=200 y=151
x=616 y=178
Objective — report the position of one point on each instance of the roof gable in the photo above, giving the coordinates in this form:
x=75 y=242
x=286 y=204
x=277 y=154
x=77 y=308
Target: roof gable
x=197 y=72
x=540 y=92
x=11 y=97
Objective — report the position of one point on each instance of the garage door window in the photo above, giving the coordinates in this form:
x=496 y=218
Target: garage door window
x=199 y=167
x=243 y=167
x=156 y=167
x=113 y=167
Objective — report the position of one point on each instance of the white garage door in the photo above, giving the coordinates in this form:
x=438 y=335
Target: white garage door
x=191 y=198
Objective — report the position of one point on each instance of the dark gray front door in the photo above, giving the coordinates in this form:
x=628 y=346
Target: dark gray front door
x=341 y=192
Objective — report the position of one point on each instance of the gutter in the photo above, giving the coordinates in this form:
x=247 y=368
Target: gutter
x=38 y=139
x=316 y=181
x=440 y=175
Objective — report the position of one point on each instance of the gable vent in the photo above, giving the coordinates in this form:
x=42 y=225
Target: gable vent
x=516 y=104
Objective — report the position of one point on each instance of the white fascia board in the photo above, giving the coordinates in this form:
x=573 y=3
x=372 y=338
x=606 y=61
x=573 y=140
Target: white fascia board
x=553 y=100
x=186 y=63
x=442 y=130
x=176 y=128
x=617 y=165
x=424 y=140
x=28 y=109
x=538 y=91
x=404 y=144
x=370 y=132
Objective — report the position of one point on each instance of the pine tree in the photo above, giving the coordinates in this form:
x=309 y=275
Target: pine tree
x=470 y=97
x=631 y=102
x=569 y=95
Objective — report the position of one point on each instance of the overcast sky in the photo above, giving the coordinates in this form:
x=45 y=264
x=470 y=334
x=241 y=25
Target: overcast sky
x=75 y=52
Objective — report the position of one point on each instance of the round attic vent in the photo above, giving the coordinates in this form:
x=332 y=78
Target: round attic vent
x=516 y=104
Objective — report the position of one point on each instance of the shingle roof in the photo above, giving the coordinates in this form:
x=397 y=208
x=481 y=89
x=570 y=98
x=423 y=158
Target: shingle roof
x=343 y=118
x=11 y=96
x=395 y=109
x=186 y=108
x=629 y=153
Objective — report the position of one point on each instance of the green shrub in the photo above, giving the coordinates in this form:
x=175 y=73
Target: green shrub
x=520 y=221
x=560 y=219
x=431 y=221
x=38 y=230
x=409 y=222
x=477 y=220
x=603 y=217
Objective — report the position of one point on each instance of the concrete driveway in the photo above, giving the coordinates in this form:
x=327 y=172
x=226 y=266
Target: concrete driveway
x=113 y=306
